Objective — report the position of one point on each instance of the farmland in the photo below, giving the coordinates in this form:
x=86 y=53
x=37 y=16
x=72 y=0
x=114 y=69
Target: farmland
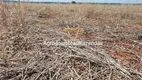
x=25 y=27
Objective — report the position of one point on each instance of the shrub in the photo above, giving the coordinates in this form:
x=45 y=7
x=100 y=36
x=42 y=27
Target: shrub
x=73 y=2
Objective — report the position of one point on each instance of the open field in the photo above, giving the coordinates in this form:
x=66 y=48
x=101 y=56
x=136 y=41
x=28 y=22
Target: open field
x=25 y=27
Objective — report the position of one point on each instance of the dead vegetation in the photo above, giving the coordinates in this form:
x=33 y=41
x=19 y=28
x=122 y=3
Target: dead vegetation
x=25 y=27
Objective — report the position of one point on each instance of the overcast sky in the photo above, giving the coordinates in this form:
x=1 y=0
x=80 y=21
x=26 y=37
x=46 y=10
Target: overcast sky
x=101 y=1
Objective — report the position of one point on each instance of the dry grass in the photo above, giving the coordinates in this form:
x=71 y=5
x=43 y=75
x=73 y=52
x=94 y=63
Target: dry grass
x=25 y=26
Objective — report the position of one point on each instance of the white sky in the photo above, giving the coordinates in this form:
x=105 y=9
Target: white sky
x=101 y=1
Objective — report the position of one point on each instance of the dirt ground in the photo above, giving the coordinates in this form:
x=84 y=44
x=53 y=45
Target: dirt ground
x=26 y=26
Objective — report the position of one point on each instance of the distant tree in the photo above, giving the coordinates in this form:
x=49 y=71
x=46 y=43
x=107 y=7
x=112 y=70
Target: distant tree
x=6 y=0
x=73 y=2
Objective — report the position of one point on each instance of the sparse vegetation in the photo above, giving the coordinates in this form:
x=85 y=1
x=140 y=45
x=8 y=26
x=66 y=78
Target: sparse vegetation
x=26 y=26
